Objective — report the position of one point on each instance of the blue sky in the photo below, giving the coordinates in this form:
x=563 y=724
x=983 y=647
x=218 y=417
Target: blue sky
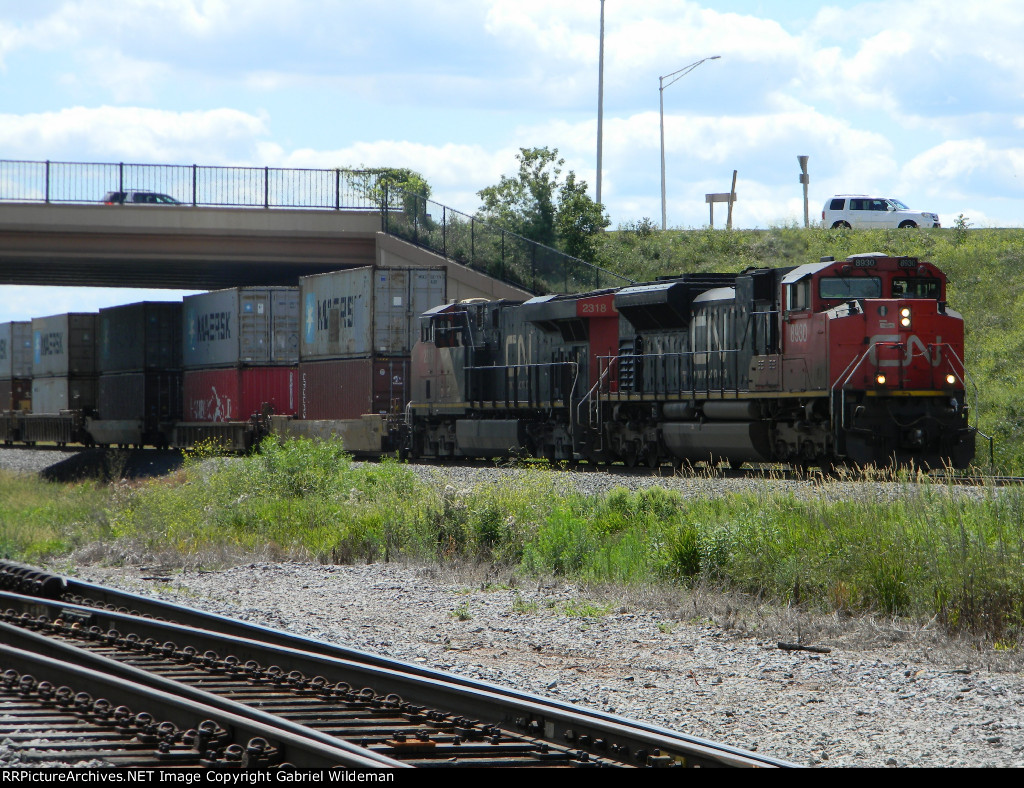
x=917 y=99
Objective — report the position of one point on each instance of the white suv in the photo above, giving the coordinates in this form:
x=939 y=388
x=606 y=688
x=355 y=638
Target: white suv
x=857 y=210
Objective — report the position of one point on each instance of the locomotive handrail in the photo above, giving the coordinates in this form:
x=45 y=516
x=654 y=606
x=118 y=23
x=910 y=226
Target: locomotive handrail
x=506 y=367
x=843 y=380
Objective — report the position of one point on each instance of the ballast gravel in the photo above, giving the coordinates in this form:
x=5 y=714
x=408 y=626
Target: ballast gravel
x=905 y=704
x=881 y=694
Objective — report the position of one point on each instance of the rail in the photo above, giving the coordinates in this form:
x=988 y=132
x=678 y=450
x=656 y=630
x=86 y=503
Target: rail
x=407 y=712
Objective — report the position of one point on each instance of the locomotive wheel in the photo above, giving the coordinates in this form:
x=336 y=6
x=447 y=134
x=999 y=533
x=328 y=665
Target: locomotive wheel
x=630 y=458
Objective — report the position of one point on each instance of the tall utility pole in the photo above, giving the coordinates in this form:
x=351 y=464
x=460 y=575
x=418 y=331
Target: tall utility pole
x=600 y=104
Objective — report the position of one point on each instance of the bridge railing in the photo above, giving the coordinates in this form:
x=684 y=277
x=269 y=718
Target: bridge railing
x=484 y=247
x=192 y=184
x=431 y=225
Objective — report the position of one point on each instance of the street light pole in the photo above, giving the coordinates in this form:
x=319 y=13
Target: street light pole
x=674 y=77
x=600 y=105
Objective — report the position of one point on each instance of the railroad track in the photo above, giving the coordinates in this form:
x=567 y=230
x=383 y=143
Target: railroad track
x=295 y=693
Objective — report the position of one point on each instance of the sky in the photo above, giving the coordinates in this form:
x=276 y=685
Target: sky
x=922 y=100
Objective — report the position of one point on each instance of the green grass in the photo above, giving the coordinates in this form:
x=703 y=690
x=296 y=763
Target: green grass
x=922 y=553
x=921 y=550
x=38 y=519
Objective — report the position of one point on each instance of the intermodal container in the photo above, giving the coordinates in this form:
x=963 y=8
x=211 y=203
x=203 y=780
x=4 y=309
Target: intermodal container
x=54 y=394
x=363 y=312
x=64 y=345
x=140 y=337
x=15 y=350
x=237 y=393
x=350 y=388
x=15 y=394
x=152 y=397
x=242 y=326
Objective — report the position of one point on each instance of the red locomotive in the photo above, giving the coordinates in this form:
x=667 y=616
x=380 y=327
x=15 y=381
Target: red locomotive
x=857 y=361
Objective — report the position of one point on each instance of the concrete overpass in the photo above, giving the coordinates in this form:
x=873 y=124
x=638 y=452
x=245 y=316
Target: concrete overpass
x=197 y=248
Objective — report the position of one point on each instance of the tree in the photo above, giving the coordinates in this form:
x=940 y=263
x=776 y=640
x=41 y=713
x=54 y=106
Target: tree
x=537 y=205
x=397 y=186
x=525 y=204
x=579 y=219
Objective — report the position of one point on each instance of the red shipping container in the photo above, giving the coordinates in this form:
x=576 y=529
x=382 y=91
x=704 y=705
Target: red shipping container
x=235 y=394
x=350 y=388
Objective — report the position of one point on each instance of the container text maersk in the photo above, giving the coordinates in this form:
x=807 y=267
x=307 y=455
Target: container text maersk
x=213 y=327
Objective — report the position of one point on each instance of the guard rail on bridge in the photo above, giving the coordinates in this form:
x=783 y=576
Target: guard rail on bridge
x=442 y=230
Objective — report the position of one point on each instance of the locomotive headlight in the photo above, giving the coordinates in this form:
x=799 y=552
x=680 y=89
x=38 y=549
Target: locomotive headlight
x=950 y=379
x=880 y=380
x=905 y=317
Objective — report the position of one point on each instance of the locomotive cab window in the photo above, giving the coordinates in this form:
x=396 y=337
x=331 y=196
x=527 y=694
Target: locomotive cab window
x=847 y=287
x=799 y=297
x=916 y=288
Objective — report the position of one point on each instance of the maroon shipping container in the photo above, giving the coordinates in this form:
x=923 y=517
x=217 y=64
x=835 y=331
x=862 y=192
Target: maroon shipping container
x=235 y=394
x=152 y=397
x=14 y=393
x=350 y=388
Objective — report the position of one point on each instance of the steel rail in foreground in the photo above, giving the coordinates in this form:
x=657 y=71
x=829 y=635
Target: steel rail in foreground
x=173 y=730
x=395 y=714
x=560 y=722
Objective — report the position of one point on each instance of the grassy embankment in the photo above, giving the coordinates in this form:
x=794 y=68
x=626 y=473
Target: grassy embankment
x=914 y=550
x=919 y=552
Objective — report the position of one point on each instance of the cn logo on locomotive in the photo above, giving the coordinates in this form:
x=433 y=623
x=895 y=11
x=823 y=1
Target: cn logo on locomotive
x=914 y=347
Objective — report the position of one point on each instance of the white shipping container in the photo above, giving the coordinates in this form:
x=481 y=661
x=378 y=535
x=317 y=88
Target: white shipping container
x=64 y=345
x=241 y=327
x=15 y=350
x=368 y=311
x=54 y=394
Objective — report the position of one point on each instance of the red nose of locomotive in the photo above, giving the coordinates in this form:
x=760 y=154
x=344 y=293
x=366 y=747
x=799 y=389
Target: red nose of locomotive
x=911 y=345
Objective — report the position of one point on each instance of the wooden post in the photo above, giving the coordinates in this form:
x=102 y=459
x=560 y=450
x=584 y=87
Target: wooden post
x=732 y=199
x=729 y=197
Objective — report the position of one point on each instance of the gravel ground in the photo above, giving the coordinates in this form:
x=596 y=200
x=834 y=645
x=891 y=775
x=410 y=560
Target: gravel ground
x=886 y=694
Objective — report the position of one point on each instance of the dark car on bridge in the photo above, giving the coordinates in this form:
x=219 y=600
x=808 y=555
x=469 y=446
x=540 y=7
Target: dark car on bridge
x=136 y=197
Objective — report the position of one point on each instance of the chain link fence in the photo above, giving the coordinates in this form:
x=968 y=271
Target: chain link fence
x=496 y=252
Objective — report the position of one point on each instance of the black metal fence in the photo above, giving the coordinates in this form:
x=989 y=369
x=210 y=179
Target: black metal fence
x=496 y=252
x=449 y=233
x=192 y=184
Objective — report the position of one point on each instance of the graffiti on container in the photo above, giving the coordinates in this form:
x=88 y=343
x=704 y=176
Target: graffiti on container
x=212 y=408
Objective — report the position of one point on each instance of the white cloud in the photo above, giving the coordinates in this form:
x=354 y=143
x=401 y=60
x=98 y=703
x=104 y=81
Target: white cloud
x=957 y=168
x=130 y=133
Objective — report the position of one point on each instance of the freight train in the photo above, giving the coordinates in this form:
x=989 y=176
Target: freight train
x=856 y=361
